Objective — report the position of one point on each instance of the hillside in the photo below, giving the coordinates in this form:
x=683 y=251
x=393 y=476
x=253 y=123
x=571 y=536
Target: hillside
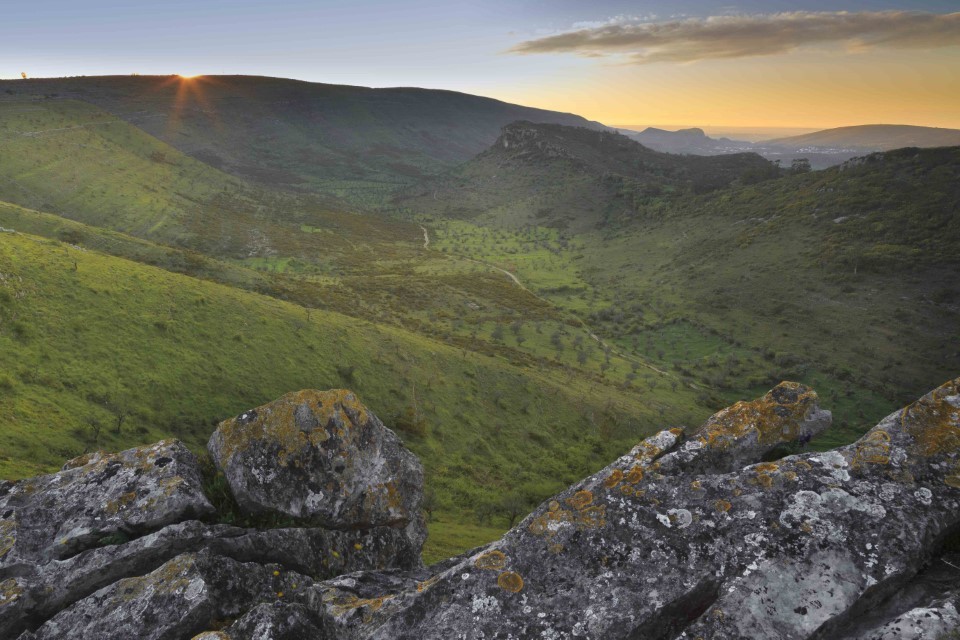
x=105 y=352
x=571 y=177
x=844 y=278
x=353 y=141
x=692 y=140
x=874 y=137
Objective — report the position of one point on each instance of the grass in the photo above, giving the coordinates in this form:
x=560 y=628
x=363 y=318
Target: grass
x=843 y=279
x=87 y=338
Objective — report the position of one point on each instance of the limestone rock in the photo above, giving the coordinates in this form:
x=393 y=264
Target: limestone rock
x=182 y=597
x=278 y=621
x=95 y=498
x=320 y=457
x=659 y=545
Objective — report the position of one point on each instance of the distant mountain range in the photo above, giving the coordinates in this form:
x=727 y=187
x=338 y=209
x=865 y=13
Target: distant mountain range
x=823 y=148
x=874 y=137
x=300 y=134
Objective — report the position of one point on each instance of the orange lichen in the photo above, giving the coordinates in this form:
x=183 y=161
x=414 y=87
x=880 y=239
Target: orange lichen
x=766 y=467
x=764 y=480
x=491 y=561
x=8 y=536
x=696 y=485
x=343 y=604
x=647 y=452
x=580 y=499
x=627 y=490
x=553 y=506
x=934 y=422
x=776 y=417
x=873 y=448
x=555 y=548
x=635 y=475
x=803 y=464
x=426 y=584
x=592 y=517
x=676 y=431
x=115 y=506
x=613 y=479
x=722 y=506
x=9 y=591
x=510 y=581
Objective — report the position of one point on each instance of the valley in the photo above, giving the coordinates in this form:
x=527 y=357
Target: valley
x=520 y=299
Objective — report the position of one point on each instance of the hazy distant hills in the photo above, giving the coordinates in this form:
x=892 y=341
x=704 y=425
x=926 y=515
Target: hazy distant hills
x=874 y=137
x=822 y=148
x=692 y=140
x=300 y=134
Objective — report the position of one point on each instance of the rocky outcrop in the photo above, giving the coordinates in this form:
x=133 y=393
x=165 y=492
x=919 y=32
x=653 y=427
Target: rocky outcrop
x=667 y=543
x=127 y=545
x=694 y=534
x=322 y=458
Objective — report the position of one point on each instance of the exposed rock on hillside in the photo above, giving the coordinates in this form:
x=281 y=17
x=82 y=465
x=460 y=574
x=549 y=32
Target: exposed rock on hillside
x=666 y=543
x=321 y=457
x=675 y=540
x=124 y=545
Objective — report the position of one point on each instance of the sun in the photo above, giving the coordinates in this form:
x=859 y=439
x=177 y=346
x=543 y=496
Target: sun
x=189 y=76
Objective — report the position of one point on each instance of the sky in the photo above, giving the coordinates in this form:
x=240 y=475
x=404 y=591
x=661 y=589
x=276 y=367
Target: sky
x=754 y=63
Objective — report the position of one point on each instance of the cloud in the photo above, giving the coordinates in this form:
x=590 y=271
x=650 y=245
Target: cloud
x=740 y=36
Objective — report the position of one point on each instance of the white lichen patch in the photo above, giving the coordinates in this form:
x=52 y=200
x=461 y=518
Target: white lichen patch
x=485 y=605
x=680 y=517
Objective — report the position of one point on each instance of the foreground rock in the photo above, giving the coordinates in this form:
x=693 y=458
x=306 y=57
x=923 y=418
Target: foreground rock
x=668 y=543
x=115 y=546
x=321 y=457
x=676 y=540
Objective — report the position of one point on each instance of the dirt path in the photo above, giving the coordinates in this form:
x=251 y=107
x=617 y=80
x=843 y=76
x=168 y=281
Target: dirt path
x=426 y=237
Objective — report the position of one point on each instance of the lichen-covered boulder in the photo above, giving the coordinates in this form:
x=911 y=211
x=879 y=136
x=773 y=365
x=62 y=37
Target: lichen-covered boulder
x=98 y=497
x=38 y=592
x=664 y=544
x=181 y=598
x=277 y=621
x=323 y=458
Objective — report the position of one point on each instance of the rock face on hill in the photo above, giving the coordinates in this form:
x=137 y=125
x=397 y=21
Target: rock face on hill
x=126 y=545
x=692 y=534
x=320 y=457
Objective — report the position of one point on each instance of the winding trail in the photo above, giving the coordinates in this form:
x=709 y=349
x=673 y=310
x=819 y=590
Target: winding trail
x=583 y=324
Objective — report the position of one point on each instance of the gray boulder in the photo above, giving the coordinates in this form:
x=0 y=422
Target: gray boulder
x=322 y=458
x=98 y=497
x=177 y=600
x=72 y=543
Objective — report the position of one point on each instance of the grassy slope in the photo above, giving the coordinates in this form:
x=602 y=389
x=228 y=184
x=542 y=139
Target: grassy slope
x=844 y=278
x=354 y=141
x=287 y=246
x=86 y=338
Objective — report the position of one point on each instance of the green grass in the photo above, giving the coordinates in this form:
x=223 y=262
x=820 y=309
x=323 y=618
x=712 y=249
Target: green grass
x=87 y=339
x=843 y=279
x=452 y=535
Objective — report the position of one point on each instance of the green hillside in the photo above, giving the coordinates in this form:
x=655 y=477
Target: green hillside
x=844 y=278
x=104 y=352
x=355 y=142
x=288 y=246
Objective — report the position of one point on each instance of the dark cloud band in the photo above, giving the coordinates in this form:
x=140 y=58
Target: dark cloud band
x=752 y=35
